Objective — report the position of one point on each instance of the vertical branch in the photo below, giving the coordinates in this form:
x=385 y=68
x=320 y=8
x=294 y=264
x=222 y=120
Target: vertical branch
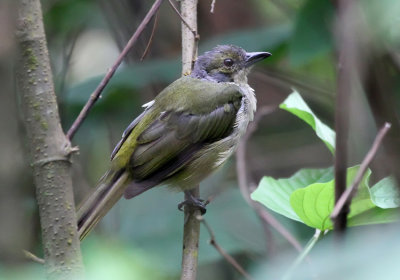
x=189 y=40
x=48 y=145
x=344 y=53
x=244 y=187
x=191 y=235
x=191 y=230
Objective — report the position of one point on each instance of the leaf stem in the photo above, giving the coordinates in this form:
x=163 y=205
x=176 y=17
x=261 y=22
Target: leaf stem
x=307 y=249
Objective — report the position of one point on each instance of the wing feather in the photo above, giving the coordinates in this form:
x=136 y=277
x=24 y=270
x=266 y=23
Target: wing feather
x=169 y=133
x=182 y=136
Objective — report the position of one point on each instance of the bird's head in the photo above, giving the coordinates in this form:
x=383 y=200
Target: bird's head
x=226 y=63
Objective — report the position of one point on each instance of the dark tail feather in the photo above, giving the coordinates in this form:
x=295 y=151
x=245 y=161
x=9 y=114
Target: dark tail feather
x=134 y=189
x=107 y=193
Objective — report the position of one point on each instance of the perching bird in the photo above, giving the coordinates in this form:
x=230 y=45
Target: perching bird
x=187 y=132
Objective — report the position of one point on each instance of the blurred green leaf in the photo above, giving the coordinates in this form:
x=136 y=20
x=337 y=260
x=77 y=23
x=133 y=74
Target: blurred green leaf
x=115 y=260
x=374 y=216
x=386 y=29
x=312 y=35
x=296 y=105
x=165 y=71
x=368 y=253
x=130 y=77
x=32 y=271
x=385 y=193
x=275 y=193
x=62 y=17
x=260 y=39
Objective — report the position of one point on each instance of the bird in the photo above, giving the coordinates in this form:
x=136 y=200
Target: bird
x=182 y=136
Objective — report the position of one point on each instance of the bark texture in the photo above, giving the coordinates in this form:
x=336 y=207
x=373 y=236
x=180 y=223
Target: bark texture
x=191 y=230
x=49 y=148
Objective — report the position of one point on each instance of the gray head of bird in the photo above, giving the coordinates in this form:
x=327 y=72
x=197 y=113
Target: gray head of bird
x=226 y=63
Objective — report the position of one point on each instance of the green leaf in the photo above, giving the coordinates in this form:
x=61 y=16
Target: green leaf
x=296 y=105
x=385 y=193
x=374 y=216
x=275 y=193
x=315 y=203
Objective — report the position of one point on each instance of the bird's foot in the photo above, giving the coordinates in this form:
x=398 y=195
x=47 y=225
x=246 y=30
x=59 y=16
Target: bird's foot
x=193 y=202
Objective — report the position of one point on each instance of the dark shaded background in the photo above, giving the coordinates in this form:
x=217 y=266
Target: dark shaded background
x=141 y=238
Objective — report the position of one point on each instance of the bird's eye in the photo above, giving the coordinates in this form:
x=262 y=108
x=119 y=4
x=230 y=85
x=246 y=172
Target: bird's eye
x=228 y=62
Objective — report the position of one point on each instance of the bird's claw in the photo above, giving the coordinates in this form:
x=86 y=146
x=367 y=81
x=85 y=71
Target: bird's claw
x=194 y=202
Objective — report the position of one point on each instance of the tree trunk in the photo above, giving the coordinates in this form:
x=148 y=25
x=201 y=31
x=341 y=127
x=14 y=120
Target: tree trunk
x=49 y=148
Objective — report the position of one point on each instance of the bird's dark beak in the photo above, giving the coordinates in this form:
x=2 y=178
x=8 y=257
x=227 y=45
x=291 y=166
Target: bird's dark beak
x=253 y=57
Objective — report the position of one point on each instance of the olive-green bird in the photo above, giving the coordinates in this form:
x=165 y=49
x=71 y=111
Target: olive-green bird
x=187 y=132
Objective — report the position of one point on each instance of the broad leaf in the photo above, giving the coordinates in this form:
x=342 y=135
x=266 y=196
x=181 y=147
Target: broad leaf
x=385 y=193
x=296 y=105
x=315 y=203
x=374 y=216
x=275 y=193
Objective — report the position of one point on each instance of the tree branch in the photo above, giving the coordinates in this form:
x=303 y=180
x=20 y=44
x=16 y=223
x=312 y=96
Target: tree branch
x=241 y=170
x=153 y=30
x=223 y=253
x=96 y=94
x=350 y=192
x=191 y=235
x=344 y=86
x=49 y=147
x=183 y=20
x=33 y=257
x=191 y=229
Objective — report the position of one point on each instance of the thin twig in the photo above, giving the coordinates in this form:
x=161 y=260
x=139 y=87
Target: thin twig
x=195 y=34
x=151 y=37
x=96 y=94
x=67 y=54
x=350 y=192
x=223 y=253
x=244 y=186
x=212 y=6
x=304 y=254
x=33 y=257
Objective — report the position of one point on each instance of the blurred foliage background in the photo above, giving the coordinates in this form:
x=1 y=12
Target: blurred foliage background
x=141 y=238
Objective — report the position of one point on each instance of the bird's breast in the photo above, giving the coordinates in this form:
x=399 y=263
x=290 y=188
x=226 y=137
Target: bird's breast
x=227 y=146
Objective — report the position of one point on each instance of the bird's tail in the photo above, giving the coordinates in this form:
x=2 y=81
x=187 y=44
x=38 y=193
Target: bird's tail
x=106 y=194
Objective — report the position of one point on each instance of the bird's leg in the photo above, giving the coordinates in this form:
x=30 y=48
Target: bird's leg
x=194 y=202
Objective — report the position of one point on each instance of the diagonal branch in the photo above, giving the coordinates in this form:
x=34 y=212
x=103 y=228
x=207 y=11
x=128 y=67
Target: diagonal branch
x=223 y=253
x=241 y=169
x=346 y=197
x=96 y=94
x=195 y=34
x=153 y=30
